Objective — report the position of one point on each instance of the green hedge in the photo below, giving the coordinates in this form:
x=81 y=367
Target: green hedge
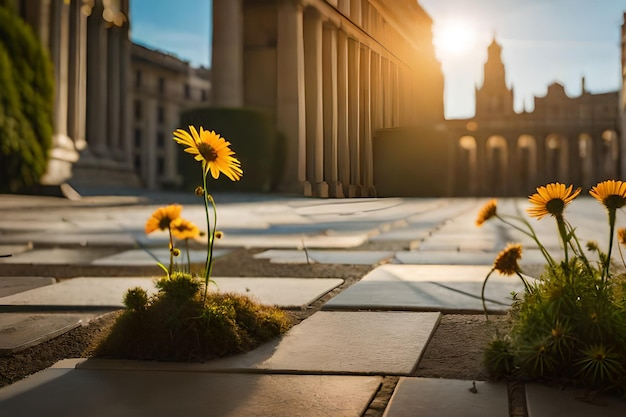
x=26 y=103
x=254 y=140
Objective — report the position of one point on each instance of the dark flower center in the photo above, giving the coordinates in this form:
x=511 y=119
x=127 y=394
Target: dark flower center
x=164 y=223
x=614 y=201
x=555 y=206
x=207 y=152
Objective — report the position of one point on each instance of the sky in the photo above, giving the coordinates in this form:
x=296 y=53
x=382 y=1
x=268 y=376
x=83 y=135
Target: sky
x=543 y=41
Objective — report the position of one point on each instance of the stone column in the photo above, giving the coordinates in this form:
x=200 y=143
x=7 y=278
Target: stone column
x=314 y=102
x=290 y=108
x=387 y=93
x=114 y=95
x=63 y=153
x=125 y=138
x=481 y=164
x=97 y=82
x=227 y=53
x=354 y=189
x=395 y=98
x=376 y=93
x=329 y=70
x=77 y=100
x=343 y=149
x=366 y=154
x=355 y=12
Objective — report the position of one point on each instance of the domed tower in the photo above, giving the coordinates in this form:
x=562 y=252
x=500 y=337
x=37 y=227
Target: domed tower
x=494 y=98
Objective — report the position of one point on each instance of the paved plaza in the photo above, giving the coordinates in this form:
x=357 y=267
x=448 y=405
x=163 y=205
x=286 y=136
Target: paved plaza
x=427 y=256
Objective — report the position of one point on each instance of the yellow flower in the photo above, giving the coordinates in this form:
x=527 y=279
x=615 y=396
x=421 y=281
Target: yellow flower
x=621 y=236
x=506 y=262
x=162 y=218
x=488 y=211
x=213 y=150
x=219 y=234
x=184 y=229
x=611 y=193
x=551 y=199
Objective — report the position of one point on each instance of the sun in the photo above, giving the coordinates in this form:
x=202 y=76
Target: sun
x=454 y=38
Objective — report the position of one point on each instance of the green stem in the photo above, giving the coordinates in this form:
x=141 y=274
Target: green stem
x=482 y=293
x=169 y=271
x=605 y=270
x=210 y=235
x=530 y=233
x=560 y=222
x=578 y=250
x=188 y=257
x=526 y=286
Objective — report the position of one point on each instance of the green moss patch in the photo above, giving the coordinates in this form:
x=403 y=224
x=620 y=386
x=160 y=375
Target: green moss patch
x=179 y=324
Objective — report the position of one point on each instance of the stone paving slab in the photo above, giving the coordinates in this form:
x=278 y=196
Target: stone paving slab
x=441 y=257
x=409 y=233
x=109 y=291
x=544 y=401
x=446 y=288
x=68 y=392
x=427 y=397
x=141 y=257
x=58 y=256
x=452 y=243
x=325 y=256
x=331 y=240
x=14 y=285
x=21 y=330
x=82 y=239
x=14 y=249
x=383 y=343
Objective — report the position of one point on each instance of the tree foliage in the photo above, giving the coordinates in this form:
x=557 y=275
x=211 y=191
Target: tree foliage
x=26 y=104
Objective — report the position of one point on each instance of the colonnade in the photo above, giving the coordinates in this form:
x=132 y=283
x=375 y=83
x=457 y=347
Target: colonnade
x=90 y=50
x=513 y=164
x=342 y=70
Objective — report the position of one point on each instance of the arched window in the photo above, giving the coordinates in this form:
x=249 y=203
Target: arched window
x=609 y=154
x=497 y=173
x=466 y=181
x=556 y=158
x=527 y=162
x=585 y=155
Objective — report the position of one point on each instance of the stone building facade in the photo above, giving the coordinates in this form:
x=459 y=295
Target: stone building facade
x=102 y=134
x=90 y=50
x=333 y=72
x=573 y=140
x=162 y=87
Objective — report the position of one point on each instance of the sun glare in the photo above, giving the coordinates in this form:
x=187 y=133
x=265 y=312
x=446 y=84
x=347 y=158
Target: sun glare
x=453 y=38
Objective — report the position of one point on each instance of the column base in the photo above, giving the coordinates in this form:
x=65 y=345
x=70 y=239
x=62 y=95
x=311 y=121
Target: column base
x=369 y=191
x=62 y=156
x=307 y=189
x=321 y=189
x=335 y=189
x=354 y=191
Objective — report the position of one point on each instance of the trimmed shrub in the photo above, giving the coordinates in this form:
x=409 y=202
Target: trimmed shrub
x=254 y=141
x=26 y=104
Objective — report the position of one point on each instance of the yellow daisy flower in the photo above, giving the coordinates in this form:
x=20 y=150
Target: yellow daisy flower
x=162 y=217
x=611 y=193
x=551 y=199
x=184 y=229
x=212 y=150
x=488 y=211
x=506 y=262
